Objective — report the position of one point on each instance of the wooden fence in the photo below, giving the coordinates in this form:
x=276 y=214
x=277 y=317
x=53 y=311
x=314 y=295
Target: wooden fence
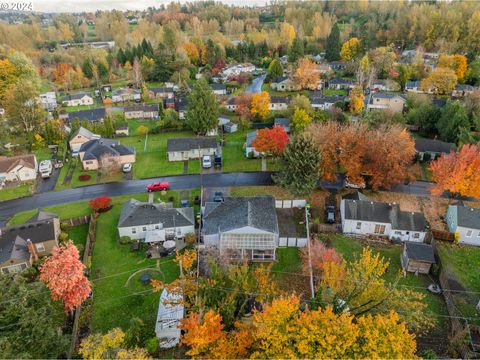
x=443 y=235
x=76 y=221
x=92 y=226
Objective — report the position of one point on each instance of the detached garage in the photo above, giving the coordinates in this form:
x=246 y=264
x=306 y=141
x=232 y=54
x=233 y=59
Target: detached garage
x=417 y=257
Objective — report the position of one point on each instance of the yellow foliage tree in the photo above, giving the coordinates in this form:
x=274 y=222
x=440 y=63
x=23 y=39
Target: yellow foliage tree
x=350 y=49
x=260 y=104
x=8 y=76
x=457 y=63
x=442 y=80
x=192 y=52
x=287 y=34
x=142 y=130
x=300 y=119
x=356 y=100
x=109 y=346
x=307 y=75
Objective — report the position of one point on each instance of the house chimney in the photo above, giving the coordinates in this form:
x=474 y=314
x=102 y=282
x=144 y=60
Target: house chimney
x=32 y=250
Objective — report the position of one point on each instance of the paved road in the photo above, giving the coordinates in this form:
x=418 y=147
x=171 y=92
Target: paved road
x=10 y=207
x=256 y=85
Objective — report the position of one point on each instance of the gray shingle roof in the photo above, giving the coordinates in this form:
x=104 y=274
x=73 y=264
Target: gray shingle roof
x=90 y=114
x=136 y=213
x=187 y=144
x=218 y=86
x=252 y=135
x=366 y=210
x=280 y=100
x=357 y=195
x=412 y=84
x=161 y=90
x=282 y=122
x=36 y=232
x=141 y=107
x=468 y=217
x=433 y=145
x=238 y=212
x=76 y=96
x=341 y=81
x=420 y=251
x=83 y=132
x=380 y=95
x=279 y=79
x=96 y=148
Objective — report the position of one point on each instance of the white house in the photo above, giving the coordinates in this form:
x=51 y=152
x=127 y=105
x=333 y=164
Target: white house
x=242 y=227
x=170 y=312
x=231 y=104
x=360 y=215
x=464 y=221
x=78 y=99
x=283 y=83
x=432 y=147
x=415 y=87
x=237 y=69
x=121 y=95
x=18 y=168
x=279 y=103
x=219 y=89
x=181 y=149
x=248 y=146
x=154 y=222
x=325 y=102
x=48 y=100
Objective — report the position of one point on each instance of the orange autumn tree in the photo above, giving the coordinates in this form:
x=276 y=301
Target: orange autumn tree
x=458 y=172
x=260 y=104
x=307 y=75
x=457 y=63
x=320 y=255
x=192 y=52
x=271 y=142
x=242 y=103
x=63 y=273
x=282 y=330
x=383 y=154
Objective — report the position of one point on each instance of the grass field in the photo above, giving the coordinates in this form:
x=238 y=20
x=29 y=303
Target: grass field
x=78 y=234
x=328 y=92
x=22 y=217
x=233 y=157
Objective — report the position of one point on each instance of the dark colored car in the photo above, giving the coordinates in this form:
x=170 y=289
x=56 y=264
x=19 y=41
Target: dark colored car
x=158 y=186
x=330 y=214
x=218 y=197
x=217 y=162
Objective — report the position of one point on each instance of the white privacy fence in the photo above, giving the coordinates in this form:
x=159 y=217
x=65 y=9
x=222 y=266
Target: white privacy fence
x=288 y=204
x=291 y=241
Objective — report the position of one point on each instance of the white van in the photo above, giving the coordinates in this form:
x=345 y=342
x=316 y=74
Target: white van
x=45 y=168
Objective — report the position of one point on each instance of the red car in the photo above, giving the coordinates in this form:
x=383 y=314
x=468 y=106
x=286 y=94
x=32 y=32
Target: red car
x=158 y=186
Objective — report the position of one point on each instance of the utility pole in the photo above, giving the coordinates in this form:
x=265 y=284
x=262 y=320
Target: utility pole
x=200 y=221
x=307 y=217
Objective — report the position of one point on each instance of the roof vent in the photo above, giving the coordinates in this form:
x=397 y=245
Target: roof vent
x=371 y=202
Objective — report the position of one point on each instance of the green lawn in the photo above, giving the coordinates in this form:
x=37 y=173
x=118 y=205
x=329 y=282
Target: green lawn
x=22 y=217
x=348 y=247
x=116 y=294
x=43 y=154
x=233 y=154
x=24 y=189
x=78 y=234
x=328 y=92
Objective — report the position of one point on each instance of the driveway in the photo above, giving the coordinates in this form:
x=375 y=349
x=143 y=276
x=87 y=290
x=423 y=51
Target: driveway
x=46 y=185
x=209 y=193
x=256 y=85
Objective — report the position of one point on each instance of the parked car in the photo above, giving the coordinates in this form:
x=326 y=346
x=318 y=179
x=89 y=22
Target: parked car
x=330 y=214
x=126 y=168
x=45 y=168
x=352 y=185
x=218 y=196
x=217 y=162
x=158 y=186
x=206 y=162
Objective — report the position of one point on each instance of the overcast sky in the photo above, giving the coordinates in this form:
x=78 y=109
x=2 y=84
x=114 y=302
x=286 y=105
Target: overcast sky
x=92 y=5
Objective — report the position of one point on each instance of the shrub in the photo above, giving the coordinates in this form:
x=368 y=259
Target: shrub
x=125 y=240
x=171 y=199
x=84 y=177
x=151 y=345
x=63 y=237
x=190 y=239
x=100 y=204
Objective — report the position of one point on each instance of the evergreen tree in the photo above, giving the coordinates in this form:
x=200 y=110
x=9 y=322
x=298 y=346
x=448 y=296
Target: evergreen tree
x=202 y=112
x=102 y=70
x=454 y=117
x=296 y=51
x=163 y=68
x=333 y=44
x=275 y=69
x=299 y=171
x=87 y=68
x=121 y=56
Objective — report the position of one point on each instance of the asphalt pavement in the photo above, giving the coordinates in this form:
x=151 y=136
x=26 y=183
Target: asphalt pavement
x=256 y=85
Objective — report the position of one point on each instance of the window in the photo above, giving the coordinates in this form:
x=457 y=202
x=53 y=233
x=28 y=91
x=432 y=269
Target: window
x=40 y=247
x=144 y=228
x=469 y=233
x=478 y=234
x=157 y=227
x=416 y=236
x=134 y=230
x=359 y=225
x=379 y=229
x=398 y=233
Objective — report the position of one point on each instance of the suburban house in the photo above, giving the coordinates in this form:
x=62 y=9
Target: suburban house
x=121 y=130
x=282 y=83
x=106 y=88
x=161 y=93
x=237 y=69
x=219 y=89
x=155 y=222
x=248 y=146
x=464 y=222
x=462 y=90
x=341 y=84
x=325 y=102
x=181 y=149
x=99 y=153
x=324 y=69
x=18 y=168
x=283 y=122
x=231 y=104
x=242 y=227
x=170 y=312
x=384 y=101
x=337 y=65
x=78 y=99
x=80 y=137
x=279 y=102
x=91 y=115
x=362 y=216
x=20 y=245
x=417 y=257
x=181 y=105
x=230 y=127
x=141 y=111
x=49 y=100
x=415 y=87
x=384 y=85
x=432 y=147
x=122 y=95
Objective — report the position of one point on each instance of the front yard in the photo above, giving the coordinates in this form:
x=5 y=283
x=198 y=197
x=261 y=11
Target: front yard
x=23 y=189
